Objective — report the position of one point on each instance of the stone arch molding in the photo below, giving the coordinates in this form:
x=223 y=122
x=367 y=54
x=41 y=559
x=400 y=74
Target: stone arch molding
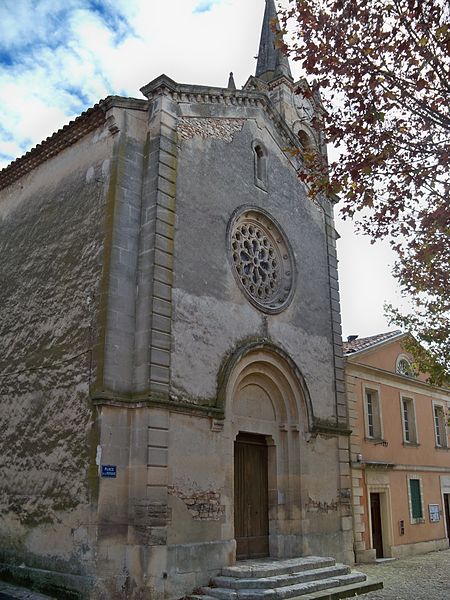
x=300 y=127
x=265 y=366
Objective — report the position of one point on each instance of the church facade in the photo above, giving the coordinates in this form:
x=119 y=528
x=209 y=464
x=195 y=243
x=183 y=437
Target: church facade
x=172 y=388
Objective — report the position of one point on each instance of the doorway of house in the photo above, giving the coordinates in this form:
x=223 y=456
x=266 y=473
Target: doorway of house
x=377 y=534
x=251 y=502
x=447 y=513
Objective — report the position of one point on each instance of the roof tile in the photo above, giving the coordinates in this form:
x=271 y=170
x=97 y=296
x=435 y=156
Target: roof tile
x=359 y=344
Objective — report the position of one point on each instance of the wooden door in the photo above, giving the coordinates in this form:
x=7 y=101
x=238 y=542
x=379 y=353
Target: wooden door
x=377 y=536
x=447 y=513
x=251 y=521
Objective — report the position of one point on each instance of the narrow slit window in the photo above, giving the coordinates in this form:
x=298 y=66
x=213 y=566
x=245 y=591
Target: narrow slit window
x=305 y=140
x=406 y=421
x=260 y=159
x=259 y=162
x=370 y=425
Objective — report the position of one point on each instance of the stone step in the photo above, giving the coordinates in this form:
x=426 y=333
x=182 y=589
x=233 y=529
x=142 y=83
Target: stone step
x=344 y=591
x=286 y=591
x=280 y=580
x=269 y=567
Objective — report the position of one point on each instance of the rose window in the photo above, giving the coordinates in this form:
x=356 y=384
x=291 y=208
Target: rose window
x=262 y=260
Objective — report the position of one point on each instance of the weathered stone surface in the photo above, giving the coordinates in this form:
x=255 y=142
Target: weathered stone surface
x=51 y=240
x=202 y=505
x=129 y=343
x=272 y=580
x=222 y=129
x=212 y=316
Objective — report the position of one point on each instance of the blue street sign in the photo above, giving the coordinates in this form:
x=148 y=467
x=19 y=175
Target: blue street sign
x=109 y=471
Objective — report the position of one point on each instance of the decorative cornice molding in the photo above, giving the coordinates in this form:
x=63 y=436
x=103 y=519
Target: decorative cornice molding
x=374 y=465
x=329 y=428
x=199 y=94
x=151 y=399
x=402 y=382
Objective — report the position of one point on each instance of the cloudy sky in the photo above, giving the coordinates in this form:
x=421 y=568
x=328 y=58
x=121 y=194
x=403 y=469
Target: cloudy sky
x=58 y=57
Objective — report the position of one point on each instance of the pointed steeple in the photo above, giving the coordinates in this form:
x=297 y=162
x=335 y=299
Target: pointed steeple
x=272 y=63
x=231 y=83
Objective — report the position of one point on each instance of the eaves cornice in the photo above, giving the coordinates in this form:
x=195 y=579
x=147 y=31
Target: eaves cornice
x=411 y=468
x=397 y=380
x=68 y=135
x=200 y=94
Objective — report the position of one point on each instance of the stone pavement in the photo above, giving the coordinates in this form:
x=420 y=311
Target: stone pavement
x=13 y=592
x=424 y=577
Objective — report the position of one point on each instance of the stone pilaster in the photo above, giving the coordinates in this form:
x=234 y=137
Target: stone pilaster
x=154 y=303
x=357 y=473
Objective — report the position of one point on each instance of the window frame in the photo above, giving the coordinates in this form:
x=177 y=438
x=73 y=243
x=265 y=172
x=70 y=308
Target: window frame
x=414 y=438
x=438 y=433
x=415 y=520
x=260 y=159
x=305 y=139
x=400 y=358
x=378 y=434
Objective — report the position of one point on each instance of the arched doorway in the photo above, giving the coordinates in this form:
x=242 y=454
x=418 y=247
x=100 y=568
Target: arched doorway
x=267 y=409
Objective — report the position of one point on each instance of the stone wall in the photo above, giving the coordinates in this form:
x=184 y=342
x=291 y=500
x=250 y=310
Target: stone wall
x=116 y=343
x=211 y=316
x=51 y=237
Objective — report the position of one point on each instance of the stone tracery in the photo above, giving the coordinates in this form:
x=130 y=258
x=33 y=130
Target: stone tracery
x=262 y=260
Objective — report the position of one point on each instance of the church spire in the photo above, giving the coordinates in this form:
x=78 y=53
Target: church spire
x=272 y=63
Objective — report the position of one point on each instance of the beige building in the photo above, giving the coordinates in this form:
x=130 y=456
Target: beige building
x=400 y=454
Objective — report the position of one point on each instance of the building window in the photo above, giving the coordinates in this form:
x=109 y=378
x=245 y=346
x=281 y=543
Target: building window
x=404 y=367
x=305 y=140
x=415 y=499
x=263 y=262
x=409 y=421
x=260 y=165
x=440 y=428
x=373 y=415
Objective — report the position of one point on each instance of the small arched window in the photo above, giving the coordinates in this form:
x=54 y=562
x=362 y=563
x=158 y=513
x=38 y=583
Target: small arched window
x=260 y=164
x=305 y=140
x=404 y=367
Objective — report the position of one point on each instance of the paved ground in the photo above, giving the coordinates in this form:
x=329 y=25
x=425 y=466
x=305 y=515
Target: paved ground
x=424 y=577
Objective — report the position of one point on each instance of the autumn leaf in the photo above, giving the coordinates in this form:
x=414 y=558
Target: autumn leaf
x=388 y=64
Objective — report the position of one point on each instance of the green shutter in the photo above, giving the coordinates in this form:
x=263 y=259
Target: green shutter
x=416 y=501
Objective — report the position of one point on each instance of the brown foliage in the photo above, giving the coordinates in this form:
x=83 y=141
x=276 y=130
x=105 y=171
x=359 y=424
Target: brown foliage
x=383 y=67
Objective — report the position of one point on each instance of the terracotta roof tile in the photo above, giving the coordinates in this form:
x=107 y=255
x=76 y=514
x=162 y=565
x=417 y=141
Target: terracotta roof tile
x=66 y=136
x=89 y=120
x=359 y=344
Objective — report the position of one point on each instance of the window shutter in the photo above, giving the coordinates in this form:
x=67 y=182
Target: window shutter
x=416 y=501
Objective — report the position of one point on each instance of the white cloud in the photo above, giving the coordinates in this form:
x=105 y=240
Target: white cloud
x=205 y=6
x=58 y=58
